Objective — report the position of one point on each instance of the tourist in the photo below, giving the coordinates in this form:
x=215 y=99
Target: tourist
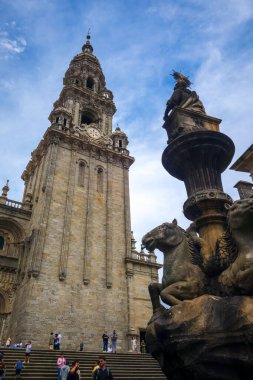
x=74 y=373
x=8 y=342
x=96 y=366
x=56 y=342
x=134 y=344
x=51 y=341
x=81 y=345
x=2 y=369
x=61 y=361
x=103 y=372
x=143 y=346
x=105 y=338
x=60 y=339
x=114 y=338
x=28 y=348
x=65 y=371
x=18 y=368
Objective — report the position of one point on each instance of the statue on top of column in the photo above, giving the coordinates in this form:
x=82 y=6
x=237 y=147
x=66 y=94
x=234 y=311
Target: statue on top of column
x=183 y=97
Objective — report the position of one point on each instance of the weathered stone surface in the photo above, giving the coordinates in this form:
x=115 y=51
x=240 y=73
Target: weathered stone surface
x=205 y=338
x=77 y=273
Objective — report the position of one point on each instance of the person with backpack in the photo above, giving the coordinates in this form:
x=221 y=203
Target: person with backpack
x=103 y=372
x=18 y=369
x=65 y=371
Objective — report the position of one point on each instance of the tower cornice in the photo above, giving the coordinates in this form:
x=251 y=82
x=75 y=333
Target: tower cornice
x=83 y=144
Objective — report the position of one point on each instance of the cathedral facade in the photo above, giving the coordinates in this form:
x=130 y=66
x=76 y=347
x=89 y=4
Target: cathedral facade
x=68 y=261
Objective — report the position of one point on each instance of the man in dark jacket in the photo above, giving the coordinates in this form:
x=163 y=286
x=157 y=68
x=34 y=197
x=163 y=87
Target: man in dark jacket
x=103 y=372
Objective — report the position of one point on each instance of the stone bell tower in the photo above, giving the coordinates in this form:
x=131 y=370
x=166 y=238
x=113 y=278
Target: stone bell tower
x=74 y=267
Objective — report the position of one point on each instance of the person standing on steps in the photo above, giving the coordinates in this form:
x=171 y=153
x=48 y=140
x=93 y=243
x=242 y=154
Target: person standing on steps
x=105 y=338
x=56 y=342
x=60 y=339
x=61 y=361
x=74 y=373
x=65 y=371
x=114 y=338
x=51 y=341
x=103 y=372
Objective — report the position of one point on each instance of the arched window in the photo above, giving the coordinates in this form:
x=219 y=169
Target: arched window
x=86 y=119
x=100 y=180
x=81 y=173
x=90 y=83
x=1 y=243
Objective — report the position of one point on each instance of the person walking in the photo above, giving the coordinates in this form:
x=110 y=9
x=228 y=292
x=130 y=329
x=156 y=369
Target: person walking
x=19 y=365
x=61 y=361
x=114 y=338
x=103 y=372
x=28 y=348
x=105 y=338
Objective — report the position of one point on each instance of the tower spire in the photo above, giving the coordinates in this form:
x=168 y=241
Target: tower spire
x=87 y=47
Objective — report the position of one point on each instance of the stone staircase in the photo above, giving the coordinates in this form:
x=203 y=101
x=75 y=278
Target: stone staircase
x=42 y=366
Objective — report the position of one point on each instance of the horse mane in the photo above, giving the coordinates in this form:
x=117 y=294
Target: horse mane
x=225 y=254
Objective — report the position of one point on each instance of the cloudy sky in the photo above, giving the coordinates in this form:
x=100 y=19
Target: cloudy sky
x=138 y=43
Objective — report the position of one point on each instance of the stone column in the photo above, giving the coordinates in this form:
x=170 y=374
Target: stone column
x=88 y=223
x=125 y=164
x=39 y=239
x=67 y=216
x=109 y=226
x=76 y=114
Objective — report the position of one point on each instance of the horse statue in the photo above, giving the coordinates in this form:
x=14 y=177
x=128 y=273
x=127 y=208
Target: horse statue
x=183 y=278
x=237 y=279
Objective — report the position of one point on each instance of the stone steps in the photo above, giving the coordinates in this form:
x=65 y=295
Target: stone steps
x=124 y=366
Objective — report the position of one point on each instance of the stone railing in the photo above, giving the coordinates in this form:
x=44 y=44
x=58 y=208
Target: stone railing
x=15 y=204
x=150 y=257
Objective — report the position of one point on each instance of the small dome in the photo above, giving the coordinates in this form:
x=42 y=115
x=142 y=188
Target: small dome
x=87 y=47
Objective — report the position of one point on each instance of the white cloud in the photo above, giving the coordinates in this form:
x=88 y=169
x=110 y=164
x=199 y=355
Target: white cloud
x=14 y=46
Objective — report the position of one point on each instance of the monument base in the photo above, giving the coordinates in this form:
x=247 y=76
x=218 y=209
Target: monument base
x=205 y=338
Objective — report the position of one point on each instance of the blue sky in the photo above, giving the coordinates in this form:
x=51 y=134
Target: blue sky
x=138 y=44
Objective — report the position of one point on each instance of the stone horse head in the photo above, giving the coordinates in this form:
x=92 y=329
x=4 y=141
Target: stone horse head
x=182 y=279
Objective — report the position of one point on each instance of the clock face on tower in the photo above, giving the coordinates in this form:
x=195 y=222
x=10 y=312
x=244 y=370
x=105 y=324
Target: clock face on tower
x=93 y=132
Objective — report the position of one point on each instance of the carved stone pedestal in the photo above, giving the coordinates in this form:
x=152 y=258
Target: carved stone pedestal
x=205 y=338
